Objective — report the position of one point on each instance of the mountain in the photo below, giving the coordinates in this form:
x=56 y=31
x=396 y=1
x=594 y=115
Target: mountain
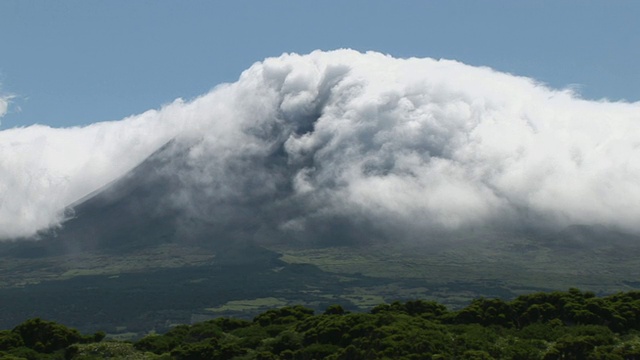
x=334 y=177
x=122 y=263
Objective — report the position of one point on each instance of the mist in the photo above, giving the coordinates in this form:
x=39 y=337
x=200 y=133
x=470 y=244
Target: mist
x=304 y=144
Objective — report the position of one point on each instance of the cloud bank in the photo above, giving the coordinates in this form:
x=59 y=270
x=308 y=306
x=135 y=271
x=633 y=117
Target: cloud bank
x=308 y=142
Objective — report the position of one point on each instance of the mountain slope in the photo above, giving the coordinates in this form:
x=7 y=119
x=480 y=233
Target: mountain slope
x=127 y=214
x=125 y=261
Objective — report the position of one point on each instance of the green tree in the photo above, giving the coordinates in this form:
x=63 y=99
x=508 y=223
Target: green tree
x=47 y=336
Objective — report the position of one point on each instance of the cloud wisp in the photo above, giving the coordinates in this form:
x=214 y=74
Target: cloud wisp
x=305 y=143
x=4 y=105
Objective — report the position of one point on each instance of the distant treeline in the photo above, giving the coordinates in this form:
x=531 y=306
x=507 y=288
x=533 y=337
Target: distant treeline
x=556 y=325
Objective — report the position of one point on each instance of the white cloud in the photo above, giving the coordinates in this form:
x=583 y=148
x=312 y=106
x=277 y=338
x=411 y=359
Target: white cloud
x=4 y=105
x=400 y=143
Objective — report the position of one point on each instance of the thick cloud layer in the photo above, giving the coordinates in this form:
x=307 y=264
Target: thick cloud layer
x=309 y=142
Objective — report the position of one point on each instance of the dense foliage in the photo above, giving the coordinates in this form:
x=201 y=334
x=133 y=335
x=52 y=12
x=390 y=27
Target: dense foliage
x=556 y=325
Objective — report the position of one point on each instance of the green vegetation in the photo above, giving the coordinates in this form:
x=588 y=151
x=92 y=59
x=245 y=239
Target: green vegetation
x=521 y=263
x=19 y=271
x=552 y=325
x=128 y=293
x=242 y=305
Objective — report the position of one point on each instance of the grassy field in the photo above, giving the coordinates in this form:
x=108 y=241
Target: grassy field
x=249 y=305
x=24 y=271
x=519 y=264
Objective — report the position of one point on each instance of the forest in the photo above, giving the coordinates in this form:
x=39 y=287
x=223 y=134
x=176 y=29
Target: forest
x=546 y=325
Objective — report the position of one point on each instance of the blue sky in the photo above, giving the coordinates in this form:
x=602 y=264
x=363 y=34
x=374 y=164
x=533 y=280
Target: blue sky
x=69 y=63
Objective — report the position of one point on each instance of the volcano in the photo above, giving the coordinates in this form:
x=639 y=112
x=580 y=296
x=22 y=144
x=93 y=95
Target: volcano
x=123 y=262
x=335 y=177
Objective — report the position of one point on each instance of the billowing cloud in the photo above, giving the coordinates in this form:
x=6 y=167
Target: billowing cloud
x=305 y=143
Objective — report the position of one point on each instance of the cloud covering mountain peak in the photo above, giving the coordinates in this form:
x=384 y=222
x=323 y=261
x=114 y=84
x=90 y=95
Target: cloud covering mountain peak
x=301 y=143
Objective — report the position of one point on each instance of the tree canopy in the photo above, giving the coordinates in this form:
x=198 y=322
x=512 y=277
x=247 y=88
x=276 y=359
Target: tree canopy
x=554 y=325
